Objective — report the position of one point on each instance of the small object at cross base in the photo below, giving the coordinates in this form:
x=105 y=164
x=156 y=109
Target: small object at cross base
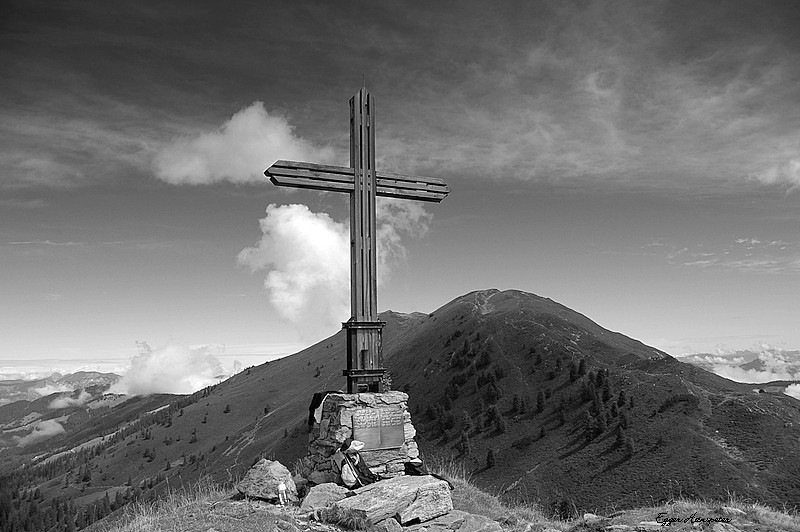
x=282 y=498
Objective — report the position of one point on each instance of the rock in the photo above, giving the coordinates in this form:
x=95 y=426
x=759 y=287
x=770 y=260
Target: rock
x=432 y=500
x=617 y=528
x=322 y=477
x=261 y=481
x=729 y=511
x=457 y=521
x=408 y=497
x=323 y=496
x=301 y=484
x=647 y=526
x=388 y=525
x=592 y=519
x=723 y=527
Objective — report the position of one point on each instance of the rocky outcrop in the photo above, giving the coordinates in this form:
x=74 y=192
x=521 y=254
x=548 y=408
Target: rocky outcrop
x=457 y=521
x=408 y=499
x=262 y=481
x=322 y=496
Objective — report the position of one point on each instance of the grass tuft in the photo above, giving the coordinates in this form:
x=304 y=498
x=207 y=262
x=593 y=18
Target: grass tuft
x=344 y=517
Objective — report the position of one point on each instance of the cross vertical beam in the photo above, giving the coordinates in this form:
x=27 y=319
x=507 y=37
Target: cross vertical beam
x=364 y=330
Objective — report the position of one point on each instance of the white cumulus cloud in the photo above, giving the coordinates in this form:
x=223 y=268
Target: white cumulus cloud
x=307 y=259
x=42 y=431
x=793 y=390
x=787 y=173
x=67 y=401
x=239 y=151
x=47 y=389
x=171 y=369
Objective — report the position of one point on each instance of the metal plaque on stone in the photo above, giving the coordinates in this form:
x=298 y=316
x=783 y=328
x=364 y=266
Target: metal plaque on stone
x=379 y=428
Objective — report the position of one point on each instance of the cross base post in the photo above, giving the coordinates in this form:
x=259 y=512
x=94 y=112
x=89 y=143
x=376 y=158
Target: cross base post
x=365 y=371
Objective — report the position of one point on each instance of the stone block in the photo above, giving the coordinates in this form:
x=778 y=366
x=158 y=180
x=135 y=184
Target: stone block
x=730 y=511
x=388 y=525
x=457 y=521
x=322 y=496
x=374 y=458
x=322 y=477
x=409 y=431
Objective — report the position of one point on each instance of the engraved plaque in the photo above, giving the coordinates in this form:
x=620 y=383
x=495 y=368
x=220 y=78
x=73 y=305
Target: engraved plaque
x=379 y=428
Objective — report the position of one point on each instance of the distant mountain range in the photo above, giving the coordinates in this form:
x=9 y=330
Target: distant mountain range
x=575 y=417
x=32 y=389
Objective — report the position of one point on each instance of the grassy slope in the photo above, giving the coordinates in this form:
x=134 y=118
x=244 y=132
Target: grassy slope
x=210 y=507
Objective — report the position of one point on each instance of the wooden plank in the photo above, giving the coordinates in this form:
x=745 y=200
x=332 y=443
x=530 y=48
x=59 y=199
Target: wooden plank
x=413 y=185
x=334 y=186
x=406 y=177
x=419 y=195
x=325 y=169
x=340 y=179
x=311 y=174
x=322 y=168
x=313 y=184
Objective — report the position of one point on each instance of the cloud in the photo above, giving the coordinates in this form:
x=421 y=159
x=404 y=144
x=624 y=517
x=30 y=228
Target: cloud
x=745 y=254
x=48 y=389
x=45 y=243
x=751 y=375
x=239 y=151
x=769 y=364
x=67 y=401
x=74 y=141
x=793 y=390
x=307 y=259
x=23 y=203
x=42 y=431
x=787 y=173
x=171 y=369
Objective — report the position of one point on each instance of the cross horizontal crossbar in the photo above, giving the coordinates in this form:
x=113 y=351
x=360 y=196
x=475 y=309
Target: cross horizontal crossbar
x=340 y=179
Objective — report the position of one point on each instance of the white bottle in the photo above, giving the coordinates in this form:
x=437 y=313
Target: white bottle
x=282 y=498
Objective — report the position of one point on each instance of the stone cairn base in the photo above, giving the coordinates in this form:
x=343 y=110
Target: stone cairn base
x=337 y=425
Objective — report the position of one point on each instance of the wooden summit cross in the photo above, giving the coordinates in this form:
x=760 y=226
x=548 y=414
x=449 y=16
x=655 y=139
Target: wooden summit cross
x=364 y=353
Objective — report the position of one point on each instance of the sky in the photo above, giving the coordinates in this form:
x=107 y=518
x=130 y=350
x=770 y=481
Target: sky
x=638 y=162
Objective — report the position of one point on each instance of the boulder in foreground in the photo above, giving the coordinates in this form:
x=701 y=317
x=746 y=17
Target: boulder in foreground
x=262 y=480
x=409 y=499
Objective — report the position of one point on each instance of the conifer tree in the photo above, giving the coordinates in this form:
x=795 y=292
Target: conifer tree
x=500 y=425
x=464 y=444
x=623 y=420
x=630 y=446
x=573 y=372
x=490 y=458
